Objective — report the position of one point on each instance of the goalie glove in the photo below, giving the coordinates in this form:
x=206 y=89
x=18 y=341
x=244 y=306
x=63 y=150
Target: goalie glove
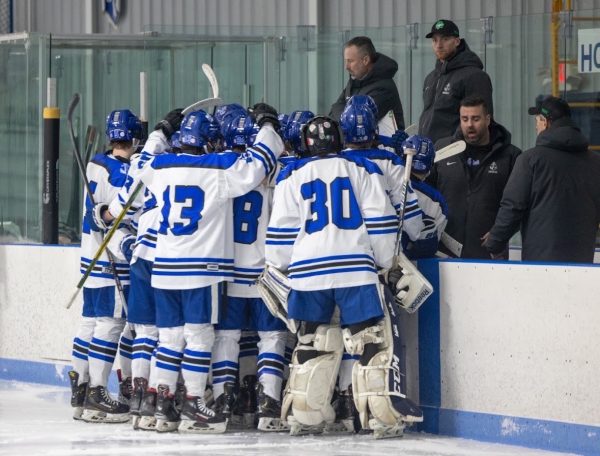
x=94 y=217
x=409 y=287
x=263 y=113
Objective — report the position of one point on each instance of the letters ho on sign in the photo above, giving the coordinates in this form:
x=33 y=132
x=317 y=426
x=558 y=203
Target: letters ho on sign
x=588 y=51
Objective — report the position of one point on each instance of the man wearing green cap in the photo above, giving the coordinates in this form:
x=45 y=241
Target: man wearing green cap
x=458 y=73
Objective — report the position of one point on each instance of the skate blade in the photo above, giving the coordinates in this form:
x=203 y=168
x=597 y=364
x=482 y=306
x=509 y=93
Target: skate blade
x=382 y=431
x=297 y=428
x=266 y=424
x=96 y=416
x=147 y=423
x=340 y=427
x=193 y=427
x=166 y=426
x=77 y=412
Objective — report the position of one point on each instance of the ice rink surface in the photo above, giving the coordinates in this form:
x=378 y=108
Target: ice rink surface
x=36 y=420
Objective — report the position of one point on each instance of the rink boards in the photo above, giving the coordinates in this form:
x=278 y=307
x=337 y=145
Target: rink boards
x=503 y=352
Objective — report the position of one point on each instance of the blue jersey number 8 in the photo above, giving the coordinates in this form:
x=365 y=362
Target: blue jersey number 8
x=246 y=212
x=344 y=211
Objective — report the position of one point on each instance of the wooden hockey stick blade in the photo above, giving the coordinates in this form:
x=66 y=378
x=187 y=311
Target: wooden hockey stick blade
x=203 y=105
x=450 y=150
x=212 y=78
x=412 y=129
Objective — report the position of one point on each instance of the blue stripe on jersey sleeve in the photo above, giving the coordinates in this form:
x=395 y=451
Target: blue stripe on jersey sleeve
x=210 y=161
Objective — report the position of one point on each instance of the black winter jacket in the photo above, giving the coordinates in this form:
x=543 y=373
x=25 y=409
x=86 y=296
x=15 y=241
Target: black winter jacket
x=474 y=198
x=446 y=86
x=379 y=85
x=554 y=194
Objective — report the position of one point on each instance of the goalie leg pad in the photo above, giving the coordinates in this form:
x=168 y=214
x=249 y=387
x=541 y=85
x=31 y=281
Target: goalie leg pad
x=313 y=374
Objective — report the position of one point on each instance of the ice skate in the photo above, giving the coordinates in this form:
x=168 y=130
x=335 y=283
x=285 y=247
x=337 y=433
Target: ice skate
x=384 y=431
x=297 y=428
x=99 y=407
x=77 y=394
x=125 y=388
x=344 y=408
x=147 y=421
x=269 y=413
x=244 y=410
x=411 y=412
x=198 y=418
x=225 y=402
x=167 y=416
x=140 y=385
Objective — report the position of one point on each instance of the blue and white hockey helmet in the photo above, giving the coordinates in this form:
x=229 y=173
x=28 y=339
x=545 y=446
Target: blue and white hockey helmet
x=362 y=99
x=358 y=121
x=224 y=110
x=423 y=159
x=292 y=131
x=237 y=130
x=175 y=140
x=197 y=129
x=283 y=119
x=123 y=125
x=321 y=135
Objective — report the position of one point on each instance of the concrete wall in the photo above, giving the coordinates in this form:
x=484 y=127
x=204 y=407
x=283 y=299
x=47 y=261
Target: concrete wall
x=505 y=352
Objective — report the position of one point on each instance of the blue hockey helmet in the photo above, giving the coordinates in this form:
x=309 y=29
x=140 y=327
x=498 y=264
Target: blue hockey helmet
x=321 y=135
x=237 y=130
x=123 y=125
x=358 y=122
x=423 y=159
x=362 y=99
x=227 y=109
x=197 y=129
x=283 y=120
x=175 y=141
x=292 y=131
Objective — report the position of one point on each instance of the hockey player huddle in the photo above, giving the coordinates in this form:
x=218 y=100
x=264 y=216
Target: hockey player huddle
x=304 y=206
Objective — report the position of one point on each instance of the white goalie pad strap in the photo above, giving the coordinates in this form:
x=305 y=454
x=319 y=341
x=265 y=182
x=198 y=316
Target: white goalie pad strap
x=274 y=296
x=413 y=288
x=355 y=343
x=310 y=386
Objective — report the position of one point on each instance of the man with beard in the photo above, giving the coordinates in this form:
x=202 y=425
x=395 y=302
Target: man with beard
x=473 y=181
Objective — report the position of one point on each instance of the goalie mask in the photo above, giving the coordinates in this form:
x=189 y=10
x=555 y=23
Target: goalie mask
x=292 y=131
x=321 y=135
x=358 y=121
x=123 y=125
x=197 y=129
x=423 y=159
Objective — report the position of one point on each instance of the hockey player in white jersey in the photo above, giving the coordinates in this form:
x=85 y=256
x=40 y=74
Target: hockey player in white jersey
x=432 y=203
x=244 y=309
x=331 y=230
x=194 y=254
x=96 y=343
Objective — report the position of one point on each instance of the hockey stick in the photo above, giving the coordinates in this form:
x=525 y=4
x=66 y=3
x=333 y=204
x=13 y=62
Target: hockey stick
x=204 y=105
x=412 y=129
x=90 y=142
x=111 y=259
x=450 y=150
x=410 y=153
x=107 y=239
x=212 y=78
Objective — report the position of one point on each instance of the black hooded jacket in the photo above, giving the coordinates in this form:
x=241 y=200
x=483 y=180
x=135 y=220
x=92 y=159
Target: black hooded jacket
x=473 y=196
x=379 y=85
x=446 y=86
x=554 y=195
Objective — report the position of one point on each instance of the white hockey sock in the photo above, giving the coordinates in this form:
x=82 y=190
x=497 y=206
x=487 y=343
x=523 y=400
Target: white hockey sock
x=345 y=372
x=144 y=344
x=168 y=356
x=225 y=354
x=248 y=354
x=81 y=344
x=271 y=361
x=103 y=349
x=125 y=352
x=199 y=339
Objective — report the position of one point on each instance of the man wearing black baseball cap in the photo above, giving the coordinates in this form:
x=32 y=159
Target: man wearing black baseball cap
x=458 y=73
x=553 y=193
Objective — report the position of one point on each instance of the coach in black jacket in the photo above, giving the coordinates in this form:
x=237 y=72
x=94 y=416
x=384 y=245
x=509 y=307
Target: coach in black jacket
x=458 y=73
x=371 y=73
x=553 y=193
x=473 y=181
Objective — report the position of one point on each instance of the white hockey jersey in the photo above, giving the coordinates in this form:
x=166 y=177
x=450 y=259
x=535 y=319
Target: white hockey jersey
x=250 y=219
x=106 y=174
x=332 y=223
x=195 y=195
x=393 y=170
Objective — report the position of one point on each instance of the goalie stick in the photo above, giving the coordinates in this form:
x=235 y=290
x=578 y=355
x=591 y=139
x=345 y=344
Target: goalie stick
x=450 y=150
x=204 y=105
x=212 y=79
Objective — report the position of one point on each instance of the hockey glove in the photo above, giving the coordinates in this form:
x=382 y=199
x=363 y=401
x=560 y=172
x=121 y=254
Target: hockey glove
x=94 y=217
x=396 y=141
x=126 y=247
x=171 y=123
x=262 y=113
